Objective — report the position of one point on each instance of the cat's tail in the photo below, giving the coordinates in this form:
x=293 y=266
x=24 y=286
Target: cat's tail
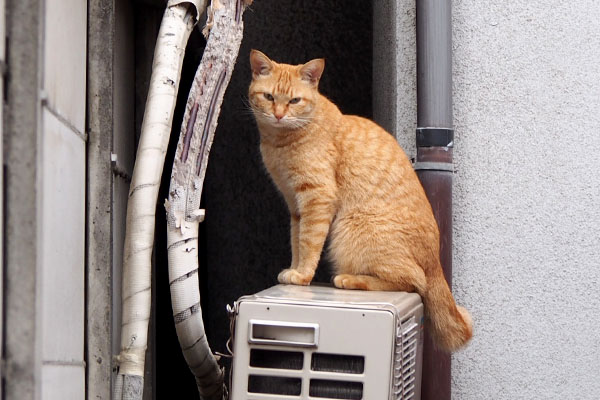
x=451 y=325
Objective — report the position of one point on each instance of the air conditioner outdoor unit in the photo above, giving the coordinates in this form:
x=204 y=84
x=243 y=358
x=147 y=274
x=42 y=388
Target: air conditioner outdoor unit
x=318 y=342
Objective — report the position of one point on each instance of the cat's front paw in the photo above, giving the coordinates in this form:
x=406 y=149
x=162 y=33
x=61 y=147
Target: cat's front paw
x=295 y=277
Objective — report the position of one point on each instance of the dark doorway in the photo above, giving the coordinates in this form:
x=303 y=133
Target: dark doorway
x=245 y=235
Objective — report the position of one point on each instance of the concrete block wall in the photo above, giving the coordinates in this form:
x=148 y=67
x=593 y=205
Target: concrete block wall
x=63 y=166
x=526 y=224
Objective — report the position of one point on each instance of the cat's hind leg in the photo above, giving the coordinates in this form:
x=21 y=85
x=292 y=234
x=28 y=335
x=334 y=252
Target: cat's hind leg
x=363 y=282
x=367 y=282
x=406 y=278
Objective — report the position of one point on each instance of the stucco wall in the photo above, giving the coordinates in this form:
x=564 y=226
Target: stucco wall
x=526 y=224
x=527 y=257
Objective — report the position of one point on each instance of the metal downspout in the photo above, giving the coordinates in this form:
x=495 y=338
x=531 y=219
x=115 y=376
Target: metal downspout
x=434 y=163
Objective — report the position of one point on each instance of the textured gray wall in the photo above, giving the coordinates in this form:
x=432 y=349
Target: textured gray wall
x=527 y=258
x=395 y=70
x=526 y=221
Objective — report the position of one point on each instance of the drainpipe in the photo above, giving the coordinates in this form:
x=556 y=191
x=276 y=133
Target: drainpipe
x=434 y=166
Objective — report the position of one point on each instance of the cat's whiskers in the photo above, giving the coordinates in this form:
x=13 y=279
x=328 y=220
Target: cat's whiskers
x=247 y=108
x=260 y=114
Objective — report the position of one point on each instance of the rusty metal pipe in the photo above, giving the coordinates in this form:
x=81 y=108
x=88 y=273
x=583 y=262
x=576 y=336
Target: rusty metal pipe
x=434 y=164
x=438 y=187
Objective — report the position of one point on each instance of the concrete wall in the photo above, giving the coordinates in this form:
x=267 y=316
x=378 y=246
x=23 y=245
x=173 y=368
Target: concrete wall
x=45 y=164
x=63 y=199
x=2 y=60
x=112 y=33
x=21 y=347
x=527 y=96
x=526 y=224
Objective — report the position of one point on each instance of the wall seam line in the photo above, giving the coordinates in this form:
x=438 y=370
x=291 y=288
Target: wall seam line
x=82 y=135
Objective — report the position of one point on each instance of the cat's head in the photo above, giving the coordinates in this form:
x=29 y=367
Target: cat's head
x=281 y=95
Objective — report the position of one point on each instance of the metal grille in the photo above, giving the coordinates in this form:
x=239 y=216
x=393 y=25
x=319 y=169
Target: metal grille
x=273 y=372
x=331 y=389
x=337 y=363
x=274 y=385
x=407 y=338
x=276 y=359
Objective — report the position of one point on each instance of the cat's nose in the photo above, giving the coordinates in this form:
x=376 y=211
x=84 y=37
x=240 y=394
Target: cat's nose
x=278 y=116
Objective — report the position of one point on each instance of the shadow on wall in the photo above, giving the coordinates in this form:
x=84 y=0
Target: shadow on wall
x=244 y=239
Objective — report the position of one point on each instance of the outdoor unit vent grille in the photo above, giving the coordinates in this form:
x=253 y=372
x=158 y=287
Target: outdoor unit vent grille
x=322 y=343
x=405 y=360
x=268 y=382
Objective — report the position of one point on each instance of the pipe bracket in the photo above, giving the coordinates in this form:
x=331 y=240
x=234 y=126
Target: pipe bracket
x=433 y=166
x=435 y=137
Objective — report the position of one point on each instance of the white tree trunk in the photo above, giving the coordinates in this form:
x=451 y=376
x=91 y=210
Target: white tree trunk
x=177 y=24
x=189 y=167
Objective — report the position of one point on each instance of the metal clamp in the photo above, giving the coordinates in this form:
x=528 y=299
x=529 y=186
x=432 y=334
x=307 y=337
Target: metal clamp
x=433 y=166
x=435 y=137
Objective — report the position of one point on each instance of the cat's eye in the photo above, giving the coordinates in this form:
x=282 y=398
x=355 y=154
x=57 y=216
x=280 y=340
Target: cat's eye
x=295 y=100
x=269 y=96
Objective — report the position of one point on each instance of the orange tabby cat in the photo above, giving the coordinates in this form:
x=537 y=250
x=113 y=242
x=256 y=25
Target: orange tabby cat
x=345 y=176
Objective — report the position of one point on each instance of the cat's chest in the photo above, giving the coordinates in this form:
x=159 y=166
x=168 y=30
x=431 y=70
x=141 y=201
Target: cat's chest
x=281 y=164
x=288 y=167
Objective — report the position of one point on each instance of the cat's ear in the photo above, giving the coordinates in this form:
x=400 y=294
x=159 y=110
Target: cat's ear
x=312 y=71
x=260 y=63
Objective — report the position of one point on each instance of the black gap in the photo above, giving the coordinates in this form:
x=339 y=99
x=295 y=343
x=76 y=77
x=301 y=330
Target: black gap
x=246 y=230
x=244 y=241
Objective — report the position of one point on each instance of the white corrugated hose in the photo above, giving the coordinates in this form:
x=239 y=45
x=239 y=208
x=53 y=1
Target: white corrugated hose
x=179 y=19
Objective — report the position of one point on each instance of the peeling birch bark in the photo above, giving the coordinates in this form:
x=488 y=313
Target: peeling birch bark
x=187 y=179
x=177 y=24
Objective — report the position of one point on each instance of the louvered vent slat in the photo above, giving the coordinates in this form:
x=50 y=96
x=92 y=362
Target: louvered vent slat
x=408 y=381
x=405 y=355
x=408 y=369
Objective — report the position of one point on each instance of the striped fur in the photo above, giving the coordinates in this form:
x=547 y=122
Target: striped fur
x=345 y=177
